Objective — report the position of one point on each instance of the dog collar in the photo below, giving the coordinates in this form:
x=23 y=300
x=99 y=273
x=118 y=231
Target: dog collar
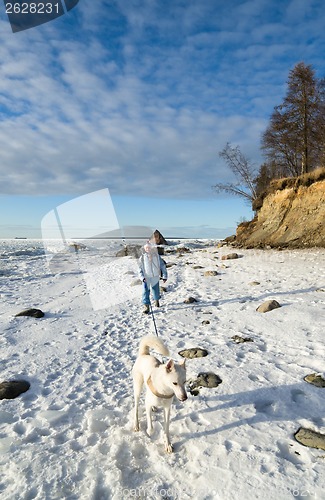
x=153 y=390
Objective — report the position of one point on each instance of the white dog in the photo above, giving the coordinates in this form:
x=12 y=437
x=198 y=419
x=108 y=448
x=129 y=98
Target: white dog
x=162 y=381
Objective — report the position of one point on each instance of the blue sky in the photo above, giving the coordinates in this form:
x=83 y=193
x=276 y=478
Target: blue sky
x=139 y=97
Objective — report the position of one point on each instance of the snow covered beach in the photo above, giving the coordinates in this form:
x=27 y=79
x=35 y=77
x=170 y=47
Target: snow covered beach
x=70 y=435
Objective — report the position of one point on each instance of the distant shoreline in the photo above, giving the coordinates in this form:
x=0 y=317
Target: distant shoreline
x=113 y=238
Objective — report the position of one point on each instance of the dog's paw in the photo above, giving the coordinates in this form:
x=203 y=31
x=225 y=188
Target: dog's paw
x=169 y=448
x=149 y=431
x=136 y=428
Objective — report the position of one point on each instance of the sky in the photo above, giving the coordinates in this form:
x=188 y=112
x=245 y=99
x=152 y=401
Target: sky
x=139 y=97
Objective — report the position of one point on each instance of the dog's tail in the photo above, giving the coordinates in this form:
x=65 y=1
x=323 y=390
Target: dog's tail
x=154 y=343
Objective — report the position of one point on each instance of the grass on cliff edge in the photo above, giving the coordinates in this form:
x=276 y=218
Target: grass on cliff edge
x=290 y=182
x=302 y=180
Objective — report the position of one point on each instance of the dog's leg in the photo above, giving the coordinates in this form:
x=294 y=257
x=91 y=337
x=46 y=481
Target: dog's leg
x=137 y=386
x=168 y=446
x=149 y=418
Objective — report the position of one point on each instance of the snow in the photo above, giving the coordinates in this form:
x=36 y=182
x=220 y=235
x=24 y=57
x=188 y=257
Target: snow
x=70 y=435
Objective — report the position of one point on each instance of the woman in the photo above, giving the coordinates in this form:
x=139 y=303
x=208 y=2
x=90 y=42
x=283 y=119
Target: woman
x=151 y=267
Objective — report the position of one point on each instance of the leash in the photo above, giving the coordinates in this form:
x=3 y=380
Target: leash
x=156 y=353
x=153 y=318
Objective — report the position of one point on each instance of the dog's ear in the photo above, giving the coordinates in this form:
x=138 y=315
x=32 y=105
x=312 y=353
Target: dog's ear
x=170 y=365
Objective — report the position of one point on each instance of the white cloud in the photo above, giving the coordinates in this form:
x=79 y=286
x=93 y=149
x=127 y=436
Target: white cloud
x=141 y=99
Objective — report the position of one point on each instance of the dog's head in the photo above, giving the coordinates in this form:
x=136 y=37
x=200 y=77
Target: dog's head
x=176 y=378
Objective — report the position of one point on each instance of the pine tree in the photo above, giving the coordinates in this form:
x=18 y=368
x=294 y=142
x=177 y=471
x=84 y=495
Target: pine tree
x=295 y=139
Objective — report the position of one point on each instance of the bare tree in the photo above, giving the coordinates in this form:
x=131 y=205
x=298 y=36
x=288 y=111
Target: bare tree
x=243 y=170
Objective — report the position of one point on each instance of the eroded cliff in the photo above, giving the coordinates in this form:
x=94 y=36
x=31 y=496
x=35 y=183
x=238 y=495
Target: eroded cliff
x=292 y=217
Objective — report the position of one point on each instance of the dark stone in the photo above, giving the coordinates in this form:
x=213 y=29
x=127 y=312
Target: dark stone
x=181 y=250
x=204 y=379
x=193 y=352
x=230 y=239
x=241 y=340
x=230 y=256
x=34 y=313
x=190 y=300
x=310 y=438
x=130 y=251
x=12 y=389
x=159 y=240
x=211 y=273
x=267 y=306
x=208 y=379
x=77 y=246
x=315 y=379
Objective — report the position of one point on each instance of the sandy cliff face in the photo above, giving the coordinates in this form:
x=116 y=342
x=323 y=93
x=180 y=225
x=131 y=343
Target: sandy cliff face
x=292 y=217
